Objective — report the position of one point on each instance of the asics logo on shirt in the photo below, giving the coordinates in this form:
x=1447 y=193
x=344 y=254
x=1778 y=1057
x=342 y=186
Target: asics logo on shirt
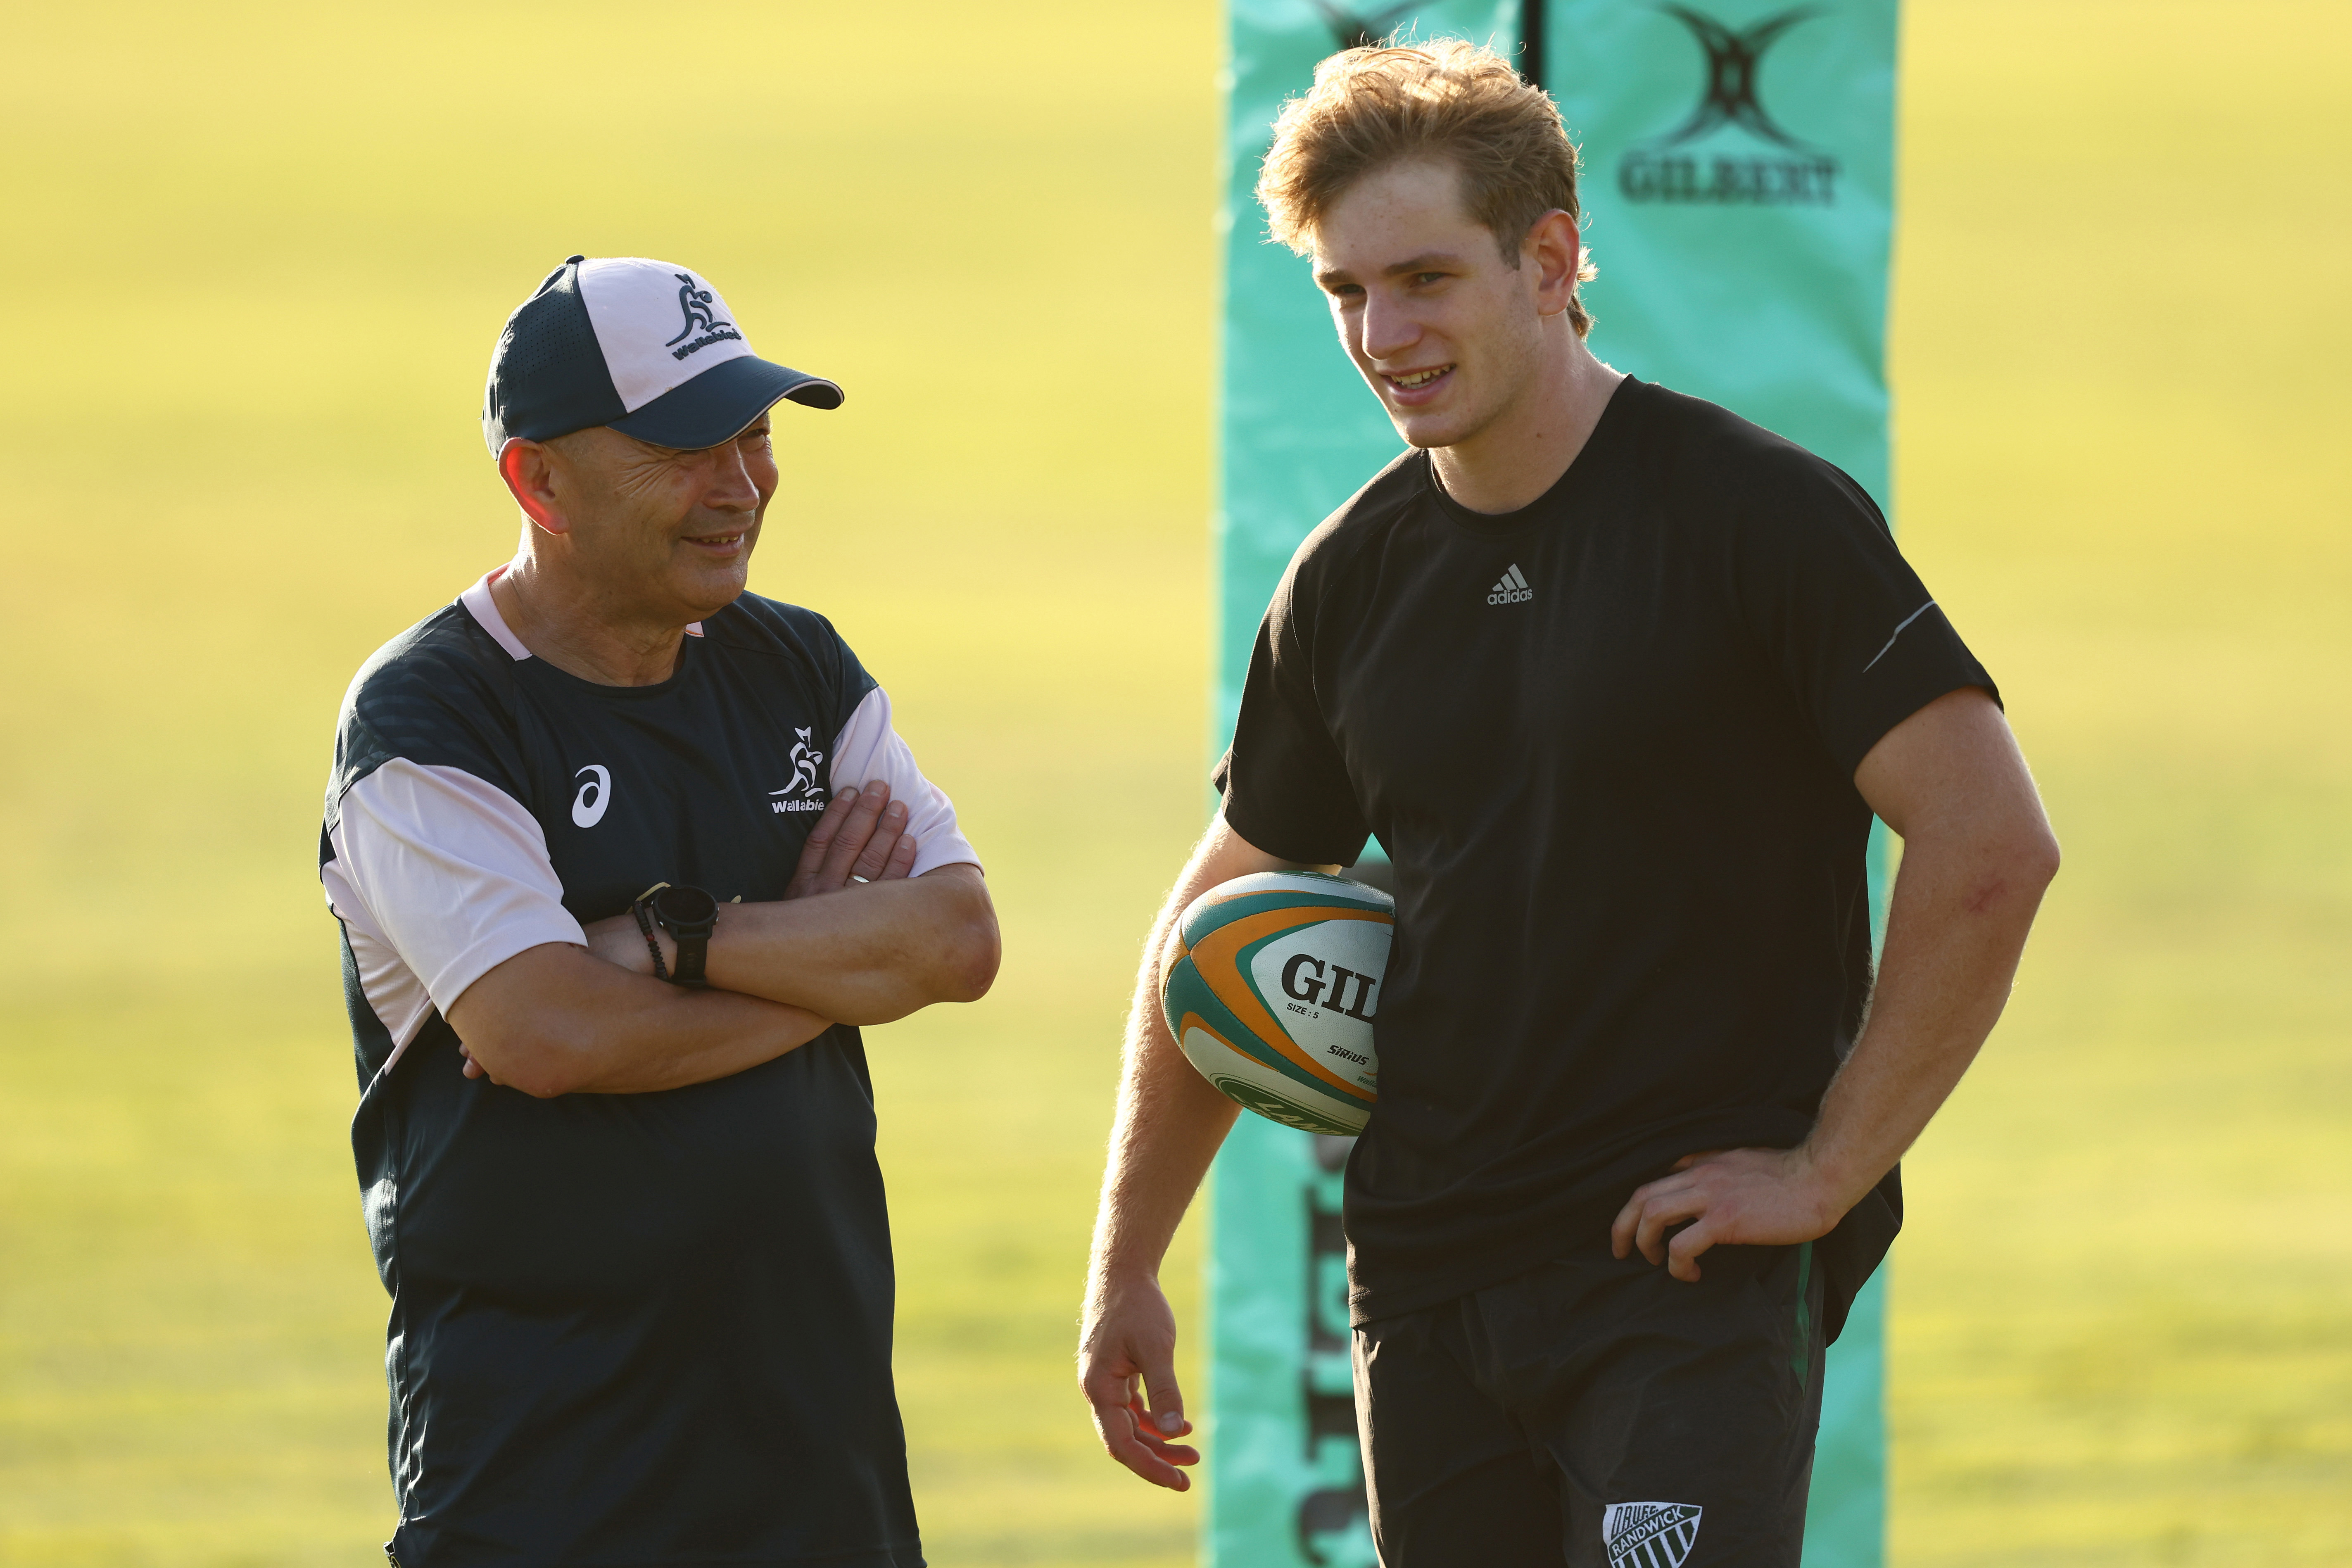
x=596 y=794
x=804 y=761
x=1512 y=590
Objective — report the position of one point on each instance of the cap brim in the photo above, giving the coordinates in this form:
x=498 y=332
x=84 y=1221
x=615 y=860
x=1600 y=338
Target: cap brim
x=718 y=405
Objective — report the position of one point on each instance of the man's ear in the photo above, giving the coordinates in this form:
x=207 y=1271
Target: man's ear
x=1556 y=251
x=528 y=470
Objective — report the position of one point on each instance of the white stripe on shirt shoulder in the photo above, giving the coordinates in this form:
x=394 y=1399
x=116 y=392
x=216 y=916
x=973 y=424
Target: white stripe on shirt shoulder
x=449 y=875
x=868 y=748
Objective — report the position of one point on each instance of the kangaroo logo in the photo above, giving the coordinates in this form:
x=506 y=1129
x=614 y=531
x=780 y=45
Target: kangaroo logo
x=696 y=302
x=805 y=760
x=1730 y=97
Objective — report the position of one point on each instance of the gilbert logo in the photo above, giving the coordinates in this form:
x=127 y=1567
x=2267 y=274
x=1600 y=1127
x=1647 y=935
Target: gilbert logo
x=1762 y=166
x=596 y=794
x=1302 y=986
x=1512 y=590
x=1649 y=1534
x=810 y=796
x=696 y=302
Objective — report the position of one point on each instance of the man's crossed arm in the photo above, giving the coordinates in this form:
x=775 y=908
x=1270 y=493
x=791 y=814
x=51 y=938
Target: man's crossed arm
x=855 y=940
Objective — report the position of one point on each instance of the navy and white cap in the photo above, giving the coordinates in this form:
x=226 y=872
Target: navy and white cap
x=644 y=346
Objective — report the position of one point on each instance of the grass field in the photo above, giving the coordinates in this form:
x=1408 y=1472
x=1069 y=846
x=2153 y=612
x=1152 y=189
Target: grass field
x=262 y=251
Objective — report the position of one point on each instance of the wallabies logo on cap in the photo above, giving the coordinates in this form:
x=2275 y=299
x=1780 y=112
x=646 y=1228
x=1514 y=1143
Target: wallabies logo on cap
x=695 y=303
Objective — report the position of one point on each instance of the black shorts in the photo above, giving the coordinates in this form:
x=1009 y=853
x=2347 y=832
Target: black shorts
x=1598 y=1414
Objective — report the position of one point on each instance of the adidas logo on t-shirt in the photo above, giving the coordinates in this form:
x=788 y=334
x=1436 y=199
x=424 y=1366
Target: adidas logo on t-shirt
x=1512 y=590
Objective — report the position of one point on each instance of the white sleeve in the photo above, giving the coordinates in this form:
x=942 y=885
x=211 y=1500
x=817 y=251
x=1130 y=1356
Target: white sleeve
x=867 y=749
x=449 y=872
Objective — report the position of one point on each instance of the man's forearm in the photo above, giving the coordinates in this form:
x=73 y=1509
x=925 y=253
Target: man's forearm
x=870 y=954
x=1956 y=926
x=556 y=1020
x=667 y=1046
x=1170 y=1124
x=1171 y=1119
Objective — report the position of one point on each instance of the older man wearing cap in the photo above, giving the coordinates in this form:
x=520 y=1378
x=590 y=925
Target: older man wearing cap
x=623 y=855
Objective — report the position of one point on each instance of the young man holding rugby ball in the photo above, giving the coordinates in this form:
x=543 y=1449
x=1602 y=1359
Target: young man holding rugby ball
x=1635 y=1146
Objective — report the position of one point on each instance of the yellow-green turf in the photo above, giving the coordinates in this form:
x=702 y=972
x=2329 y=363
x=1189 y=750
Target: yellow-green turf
x=256 y=254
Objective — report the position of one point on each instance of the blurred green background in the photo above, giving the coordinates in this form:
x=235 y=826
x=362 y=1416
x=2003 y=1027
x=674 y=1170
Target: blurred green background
x=259 y=254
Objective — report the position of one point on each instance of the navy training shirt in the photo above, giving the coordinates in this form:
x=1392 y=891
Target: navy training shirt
x=648 y=1329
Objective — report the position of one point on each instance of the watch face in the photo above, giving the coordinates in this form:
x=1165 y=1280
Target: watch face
x=687 y=907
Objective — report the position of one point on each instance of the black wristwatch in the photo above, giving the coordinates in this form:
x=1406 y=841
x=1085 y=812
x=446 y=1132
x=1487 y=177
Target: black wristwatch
x=688 y=914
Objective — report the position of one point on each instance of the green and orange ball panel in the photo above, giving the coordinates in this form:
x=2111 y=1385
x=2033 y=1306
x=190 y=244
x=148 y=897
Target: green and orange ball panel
x=1275 y=991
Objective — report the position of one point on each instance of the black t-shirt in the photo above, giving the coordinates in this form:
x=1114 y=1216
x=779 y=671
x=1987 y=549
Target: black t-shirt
x=626 y=1329
x=1609 y=742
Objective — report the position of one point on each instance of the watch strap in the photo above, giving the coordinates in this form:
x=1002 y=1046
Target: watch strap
x=693 y=954
x=645 y=926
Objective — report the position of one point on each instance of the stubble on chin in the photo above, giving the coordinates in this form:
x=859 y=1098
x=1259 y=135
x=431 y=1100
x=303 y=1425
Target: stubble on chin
x=1431 y=433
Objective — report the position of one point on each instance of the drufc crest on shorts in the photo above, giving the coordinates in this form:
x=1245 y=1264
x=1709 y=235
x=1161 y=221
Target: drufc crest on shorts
x=1650 y=1534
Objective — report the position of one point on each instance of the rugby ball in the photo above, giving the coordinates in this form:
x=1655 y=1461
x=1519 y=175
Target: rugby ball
x=1273 y=991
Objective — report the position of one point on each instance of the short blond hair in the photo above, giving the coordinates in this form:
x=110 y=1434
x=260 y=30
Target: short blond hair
x=1447 y=98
